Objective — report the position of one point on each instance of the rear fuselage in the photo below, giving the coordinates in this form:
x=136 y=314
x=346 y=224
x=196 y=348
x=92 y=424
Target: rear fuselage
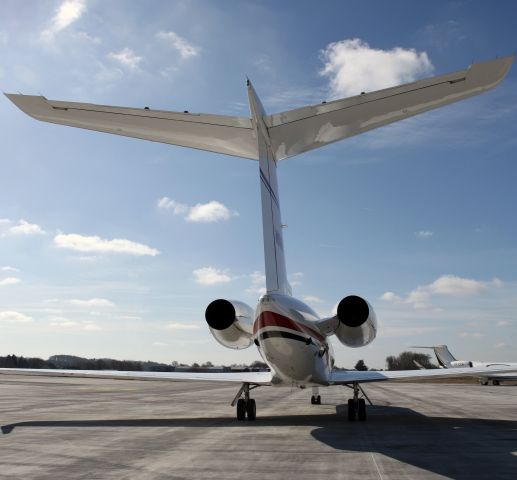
x=289 y=341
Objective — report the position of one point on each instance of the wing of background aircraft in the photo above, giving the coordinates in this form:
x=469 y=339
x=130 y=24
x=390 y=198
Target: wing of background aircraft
x=304 y=129
x=215 y=133
x=351 y=376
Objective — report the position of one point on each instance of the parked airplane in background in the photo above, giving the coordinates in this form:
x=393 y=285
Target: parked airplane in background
x=289 y=335
x=447 y=360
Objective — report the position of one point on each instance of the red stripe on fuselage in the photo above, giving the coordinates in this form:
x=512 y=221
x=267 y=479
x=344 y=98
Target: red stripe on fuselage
x=272 y=319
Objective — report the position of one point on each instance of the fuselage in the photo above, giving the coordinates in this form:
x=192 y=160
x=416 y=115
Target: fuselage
x=289 y=341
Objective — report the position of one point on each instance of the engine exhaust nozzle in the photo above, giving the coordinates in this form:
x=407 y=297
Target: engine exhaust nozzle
x=220 y=314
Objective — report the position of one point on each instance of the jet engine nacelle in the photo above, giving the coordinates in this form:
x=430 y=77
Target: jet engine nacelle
x=357 y=322
x=231 y=323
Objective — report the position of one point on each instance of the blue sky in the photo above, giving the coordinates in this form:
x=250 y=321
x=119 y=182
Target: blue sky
x=417 y=217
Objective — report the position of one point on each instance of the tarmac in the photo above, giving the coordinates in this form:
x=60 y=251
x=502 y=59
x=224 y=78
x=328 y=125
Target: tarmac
x=119 y=429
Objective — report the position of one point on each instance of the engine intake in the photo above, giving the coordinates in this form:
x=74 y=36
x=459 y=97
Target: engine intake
x=357 y=322
x=230 y=322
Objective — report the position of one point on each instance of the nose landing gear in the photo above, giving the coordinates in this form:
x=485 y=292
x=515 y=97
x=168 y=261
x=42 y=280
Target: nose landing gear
x=316 y=398
x=246 y=407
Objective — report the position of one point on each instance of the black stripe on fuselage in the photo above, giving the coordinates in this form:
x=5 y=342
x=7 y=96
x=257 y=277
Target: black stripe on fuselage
x=279 y=333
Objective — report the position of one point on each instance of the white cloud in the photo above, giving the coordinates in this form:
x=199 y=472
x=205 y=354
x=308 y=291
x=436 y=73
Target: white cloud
x=181 y=326
x=63 y=322
x=22 y=228
x=107 y=75
x=93 y=302
x=442 y=35
x=312 y=299
x=67 y=13
x=83 y=243
x=446 y=285
x=296 y=279
x=10 y=316
x=471 y=335
x=86 y=258
x=212 y=211
x=177 y=208
x=160 y=344
x=457 y=286
x=67 y=324
x=258 y=283
x=263 y=62
x=85 y=38
x=353 y=67
x=183 y=46
x=503 y=323
x=127 y=58
x=393 y=332
x=502 y=345
x=25 y=228
x=130 y=317
x=209 y=212
x=9 y=281
x=9 y=269
x=390 y=297
x=90 y=326
x=211 y=276
x=424 y=233
x=26 y=75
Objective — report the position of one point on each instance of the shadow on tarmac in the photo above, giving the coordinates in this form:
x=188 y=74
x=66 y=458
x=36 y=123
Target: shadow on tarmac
x=459 y=448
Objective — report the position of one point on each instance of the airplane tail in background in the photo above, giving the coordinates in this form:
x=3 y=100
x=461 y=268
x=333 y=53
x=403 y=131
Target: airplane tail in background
x=444 y=357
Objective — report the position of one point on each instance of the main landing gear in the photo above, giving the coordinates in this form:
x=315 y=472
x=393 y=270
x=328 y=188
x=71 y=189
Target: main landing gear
x=246 y=407
x=356 y=405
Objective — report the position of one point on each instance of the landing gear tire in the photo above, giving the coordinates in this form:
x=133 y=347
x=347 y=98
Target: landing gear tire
x=351 y=410
x=251 y=409
x=318 y=400
x=495 y=382
x=313 y=400
x=361 y=410
x=241 y=409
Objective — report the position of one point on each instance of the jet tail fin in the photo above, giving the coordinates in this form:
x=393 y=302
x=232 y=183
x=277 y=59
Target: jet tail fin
x=443 y=355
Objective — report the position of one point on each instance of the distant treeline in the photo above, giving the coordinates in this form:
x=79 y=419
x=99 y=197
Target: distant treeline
x=71 y=362
x=405 y=361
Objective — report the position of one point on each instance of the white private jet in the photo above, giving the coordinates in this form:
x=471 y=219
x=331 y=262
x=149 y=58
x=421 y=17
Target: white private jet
x=289 y=335
x=447 y=360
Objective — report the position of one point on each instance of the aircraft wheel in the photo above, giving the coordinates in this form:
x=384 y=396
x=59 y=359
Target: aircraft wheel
x=495 y=382
x=351 y=410
x=241 y=409
x=251 y=409
x=483 y=382
x=313 y=400
x=318 y=400
x=361 y=410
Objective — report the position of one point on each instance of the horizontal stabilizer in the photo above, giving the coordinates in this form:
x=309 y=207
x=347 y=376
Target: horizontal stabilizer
x=303 y=129
x=214 y=133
